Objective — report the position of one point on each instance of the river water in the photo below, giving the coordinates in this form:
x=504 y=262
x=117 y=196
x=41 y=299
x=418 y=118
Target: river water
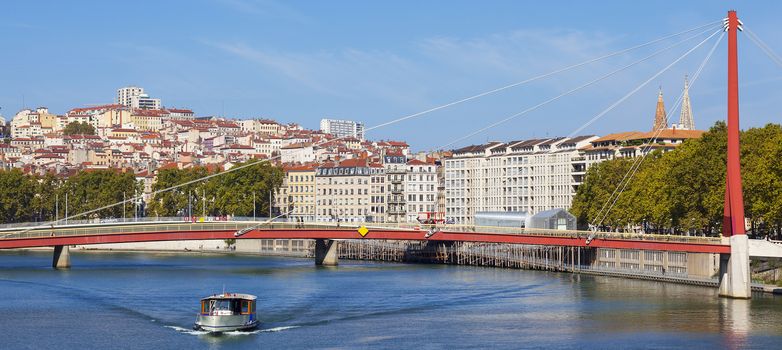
x=148 y=300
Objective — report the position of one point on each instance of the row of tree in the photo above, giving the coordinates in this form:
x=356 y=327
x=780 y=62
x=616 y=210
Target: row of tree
x=683 y=191
x=28 y=198
x=243 y=192
x=33 y=198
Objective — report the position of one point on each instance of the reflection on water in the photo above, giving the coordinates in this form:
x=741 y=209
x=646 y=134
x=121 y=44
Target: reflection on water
x=735 y=321
x=149 y=301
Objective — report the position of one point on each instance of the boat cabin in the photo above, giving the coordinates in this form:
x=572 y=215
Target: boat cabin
x=228 y=304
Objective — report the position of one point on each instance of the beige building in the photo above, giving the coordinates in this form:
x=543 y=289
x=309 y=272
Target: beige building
x=29 y=123
x=345 y=191
x=297 y=193
x=104 y=116
x=633 y=144
x=147 y=120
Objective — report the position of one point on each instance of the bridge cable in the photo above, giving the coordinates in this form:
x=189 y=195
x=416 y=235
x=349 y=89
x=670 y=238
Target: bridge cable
x=763 y=46
x=603 y=113
x=638 y=160
x=538 y=77
x=645 y=152
x=590 y=83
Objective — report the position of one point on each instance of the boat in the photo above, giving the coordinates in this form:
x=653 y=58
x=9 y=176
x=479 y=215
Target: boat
x=227 y=312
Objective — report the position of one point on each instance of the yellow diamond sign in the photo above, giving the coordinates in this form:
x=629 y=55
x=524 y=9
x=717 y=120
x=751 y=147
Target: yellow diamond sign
x=363 y=231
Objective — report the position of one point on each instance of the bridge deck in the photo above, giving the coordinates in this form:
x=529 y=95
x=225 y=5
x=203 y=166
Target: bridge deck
x=102 y=233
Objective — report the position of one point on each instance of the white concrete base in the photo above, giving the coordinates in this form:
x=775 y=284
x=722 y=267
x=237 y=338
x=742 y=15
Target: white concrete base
x=326 y=252
x=735 y=280
x=61 y=259
x=202 y=245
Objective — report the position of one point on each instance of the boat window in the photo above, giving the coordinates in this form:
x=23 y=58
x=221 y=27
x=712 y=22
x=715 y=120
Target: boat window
x=245 y=307
x=221 y=305
x=204 y=307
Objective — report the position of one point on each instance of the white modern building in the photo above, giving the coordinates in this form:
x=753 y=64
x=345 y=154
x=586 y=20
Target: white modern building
x=125 y=95
x=518 y=176
x=135 y=97
x=342 y=128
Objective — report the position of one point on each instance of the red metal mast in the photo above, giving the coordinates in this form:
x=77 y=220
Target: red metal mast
x=733 y=222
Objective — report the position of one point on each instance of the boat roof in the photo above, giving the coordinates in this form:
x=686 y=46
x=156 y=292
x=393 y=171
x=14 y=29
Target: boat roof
x=231 y=296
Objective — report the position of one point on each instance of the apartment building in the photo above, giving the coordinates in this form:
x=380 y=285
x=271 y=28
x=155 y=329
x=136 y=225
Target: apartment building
x=420 y=188
x=135 y=97
x=297 y=193
x=345 y=191
x=518 y=176
x=342 y=128
x=394 y=163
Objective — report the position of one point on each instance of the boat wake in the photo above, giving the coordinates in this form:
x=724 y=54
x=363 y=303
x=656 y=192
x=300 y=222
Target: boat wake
x=267 y=330
x=278 y=329
x=187 y=330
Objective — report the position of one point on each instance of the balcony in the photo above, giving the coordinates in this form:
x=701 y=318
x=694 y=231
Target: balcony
x=392 y=211
x=396 y=199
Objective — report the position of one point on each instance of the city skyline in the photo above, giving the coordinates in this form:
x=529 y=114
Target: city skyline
x=262 y=59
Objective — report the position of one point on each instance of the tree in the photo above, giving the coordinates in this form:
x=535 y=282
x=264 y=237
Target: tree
x=234 y=190
x=595 y=195
x=683 y=190
x=77 y=128
x=17 y=197
x=175 y=202
x=762 y=177
x=91 y=190
x=228 y=194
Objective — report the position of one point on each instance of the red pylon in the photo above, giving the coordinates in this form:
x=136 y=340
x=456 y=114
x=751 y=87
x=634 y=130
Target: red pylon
x=733 y=222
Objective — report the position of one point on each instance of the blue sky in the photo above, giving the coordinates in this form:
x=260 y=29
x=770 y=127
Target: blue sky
x=299 y=61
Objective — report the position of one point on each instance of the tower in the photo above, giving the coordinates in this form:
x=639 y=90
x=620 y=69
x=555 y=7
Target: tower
x=660 y=120
x=686 y=121
x=734 y=272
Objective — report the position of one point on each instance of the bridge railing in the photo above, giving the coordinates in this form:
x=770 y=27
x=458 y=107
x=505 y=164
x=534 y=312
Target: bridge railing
x=178 y=224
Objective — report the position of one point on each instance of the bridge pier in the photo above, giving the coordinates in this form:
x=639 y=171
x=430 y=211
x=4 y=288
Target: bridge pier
x=61 y=259
x=735 y=280
x=326 y=252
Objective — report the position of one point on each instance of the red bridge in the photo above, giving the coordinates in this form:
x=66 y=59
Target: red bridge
x=174 y=231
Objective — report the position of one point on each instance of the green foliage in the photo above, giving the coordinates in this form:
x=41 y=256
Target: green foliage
x=683 y=190
x=35 y=198
x=89 y=190
x=77 y=128
x=16 y=198
x=228 y=194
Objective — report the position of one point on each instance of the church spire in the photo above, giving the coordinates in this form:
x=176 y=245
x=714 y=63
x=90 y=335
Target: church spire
x=685 y=118
x=660 y=120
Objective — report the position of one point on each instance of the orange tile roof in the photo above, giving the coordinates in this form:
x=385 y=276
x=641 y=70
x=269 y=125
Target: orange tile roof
x=620 y=136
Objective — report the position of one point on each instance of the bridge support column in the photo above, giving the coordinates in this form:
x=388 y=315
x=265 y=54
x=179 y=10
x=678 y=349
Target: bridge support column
x=326 y=252
x=735 y=280
x=62 y=257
